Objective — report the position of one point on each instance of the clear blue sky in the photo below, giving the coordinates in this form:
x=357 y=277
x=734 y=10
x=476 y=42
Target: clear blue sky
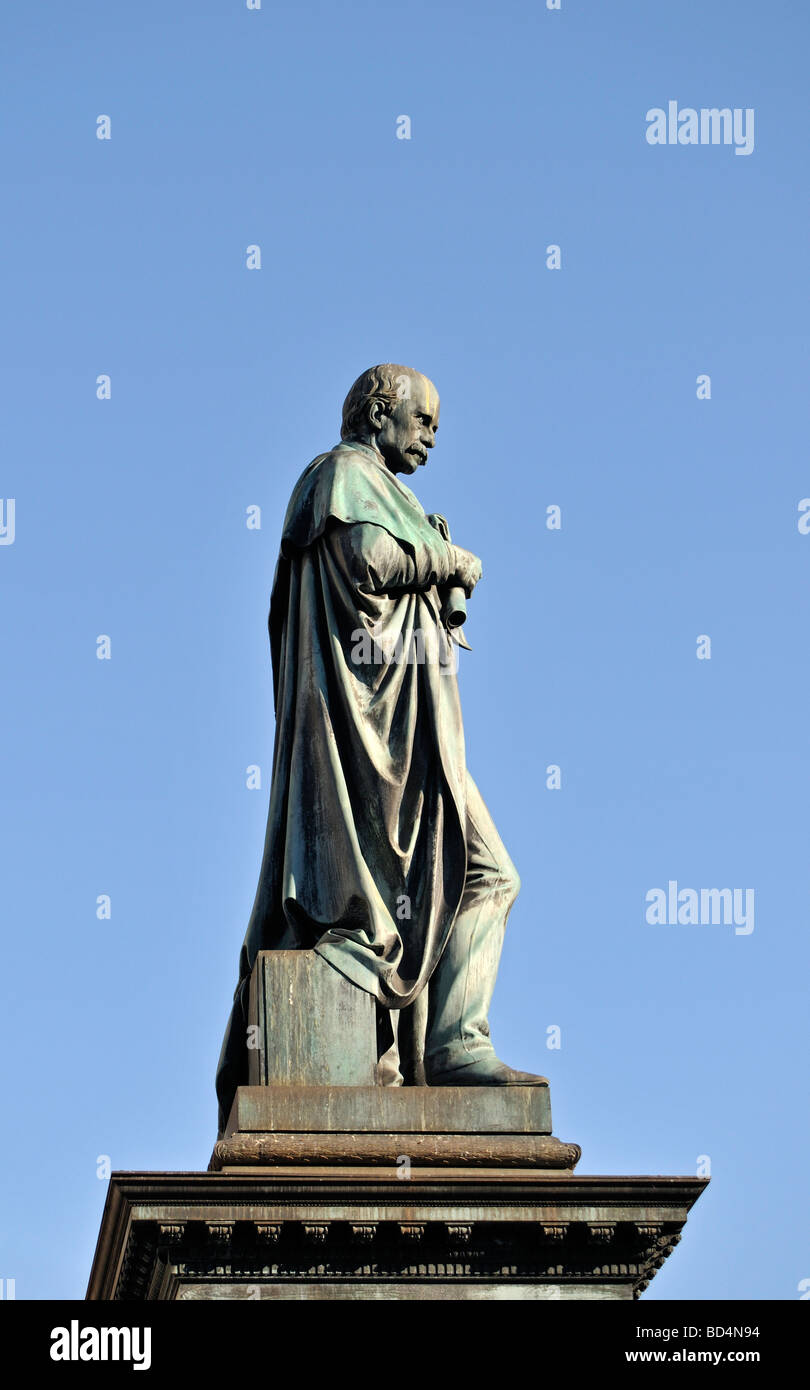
x=574 y=387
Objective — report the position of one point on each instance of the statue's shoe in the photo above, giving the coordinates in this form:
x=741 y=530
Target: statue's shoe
x=487 y=1071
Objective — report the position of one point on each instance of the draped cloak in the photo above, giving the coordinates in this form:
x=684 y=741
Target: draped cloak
x=365 y=852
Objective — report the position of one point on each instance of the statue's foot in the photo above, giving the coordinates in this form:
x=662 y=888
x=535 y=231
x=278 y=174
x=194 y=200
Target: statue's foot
x=486 y=1071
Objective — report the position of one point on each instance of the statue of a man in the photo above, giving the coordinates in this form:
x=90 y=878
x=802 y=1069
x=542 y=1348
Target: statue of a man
x=380 y=853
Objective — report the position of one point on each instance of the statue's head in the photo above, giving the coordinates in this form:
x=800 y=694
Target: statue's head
x=397 y=411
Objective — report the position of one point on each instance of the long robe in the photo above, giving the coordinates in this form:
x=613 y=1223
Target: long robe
x=365 y=852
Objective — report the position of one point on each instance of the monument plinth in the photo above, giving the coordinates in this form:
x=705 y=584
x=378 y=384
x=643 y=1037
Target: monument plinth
x=334 y=1192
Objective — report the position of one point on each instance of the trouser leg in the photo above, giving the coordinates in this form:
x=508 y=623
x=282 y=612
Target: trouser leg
x=460 y=989
x=401 y=1044
x=388 y=1065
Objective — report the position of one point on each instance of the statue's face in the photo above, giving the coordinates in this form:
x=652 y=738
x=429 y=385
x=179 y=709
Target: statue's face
x=410 y=430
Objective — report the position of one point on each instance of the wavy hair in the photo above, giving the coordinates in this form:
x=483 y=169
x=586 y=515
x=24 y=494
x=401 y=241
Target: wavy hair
x=383 y=383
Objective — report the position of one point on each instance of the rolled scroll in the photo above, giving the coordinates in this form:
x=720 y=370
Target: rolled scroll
x=454 y=607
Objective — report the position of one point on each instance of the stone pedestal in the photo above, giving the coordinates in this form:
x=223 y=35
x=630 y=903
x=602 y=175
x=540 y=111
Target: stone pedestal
x=326 y=1186
x=308 y=1025
x=360 y=1233
x=393 y=1127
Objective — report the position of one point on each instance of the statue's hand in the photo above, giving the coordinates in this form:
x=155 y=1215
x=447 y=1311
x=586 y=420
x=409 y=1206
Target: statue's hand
x=439 y=523
x=468 y=569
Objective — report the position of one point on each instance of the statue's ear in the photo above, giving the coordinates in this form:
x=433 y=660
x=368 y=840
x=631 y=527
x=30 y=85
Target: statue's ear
x=376 y=414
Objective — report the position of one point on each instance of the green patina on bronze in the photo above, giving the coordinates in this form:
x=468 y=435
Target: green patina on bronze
x=380 y=853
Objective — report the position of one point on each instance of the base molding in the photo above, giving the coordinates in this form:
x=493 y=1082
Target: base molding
x=437 y=1150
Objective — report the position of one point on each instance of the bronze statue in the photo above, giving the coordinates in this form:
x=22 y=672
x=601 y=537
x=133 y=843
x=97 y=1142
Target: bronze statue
x=380 y=853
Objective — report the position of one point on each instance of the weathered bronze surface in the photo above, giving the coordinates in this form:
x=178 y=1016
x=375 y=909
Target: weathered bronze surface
x=308 y=1026
x=391 y=1110
x=380 y=853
